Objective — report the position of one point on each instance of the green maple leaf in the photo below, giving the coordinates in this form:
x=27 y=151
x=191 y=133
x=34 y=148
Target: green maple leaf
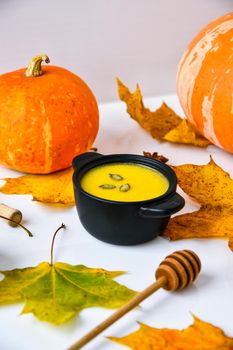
x=57 y=292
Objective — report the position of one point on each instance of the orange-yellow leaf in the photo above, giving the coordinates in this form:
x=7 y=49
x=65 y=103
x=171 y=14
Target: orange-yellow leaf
x=211 y=187
x=184 y=133
x=199 y=336
x=162 y=124
x=53 y=188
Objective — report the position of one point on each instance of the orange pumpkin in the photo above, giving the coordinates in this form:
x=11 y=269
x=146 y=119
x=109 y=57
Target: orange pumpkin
x=205 y=82
x=47 y=116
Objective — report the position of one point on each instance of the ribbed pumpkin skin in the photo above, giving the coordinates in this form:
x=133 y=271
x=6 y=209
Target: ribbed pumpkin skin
x=205 y=82
x=45 y=121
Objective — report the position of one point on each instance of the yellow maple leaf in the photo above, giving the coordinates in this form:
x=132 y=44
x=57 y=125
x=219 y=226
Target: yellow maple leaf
x=162 y=124
x=212 y=188
x=199 y=336
x=52 y=188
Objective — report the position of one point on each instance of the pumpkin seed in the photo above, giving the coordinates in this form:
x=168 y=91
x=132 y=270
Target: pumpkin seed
x=107 y=186
x=125 y=188
x=116 y=177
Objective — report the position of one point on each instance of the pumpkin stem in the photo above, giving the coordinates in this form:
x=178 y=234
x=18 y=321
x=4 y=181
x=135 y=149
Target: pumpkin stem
x=34 y=67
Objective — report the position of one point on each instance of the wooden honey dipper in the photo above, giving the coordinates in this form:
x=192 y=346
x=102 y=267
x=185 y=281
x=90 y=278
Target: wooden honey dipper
x=176 y=271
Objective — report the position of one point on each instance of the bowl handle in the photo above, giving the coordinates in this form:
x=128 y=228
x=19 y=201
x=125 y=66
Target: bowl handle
x=84 y=158
x=164 y=208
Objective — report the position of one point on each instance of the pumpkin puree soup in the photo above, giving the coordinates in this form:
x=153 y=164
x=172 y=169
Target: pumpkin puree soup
x=125 y=182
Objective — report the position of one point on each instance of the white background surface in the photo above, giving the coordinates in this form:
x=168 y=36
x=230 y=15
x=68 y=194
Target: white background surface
x=210 y=298
x=137 y=40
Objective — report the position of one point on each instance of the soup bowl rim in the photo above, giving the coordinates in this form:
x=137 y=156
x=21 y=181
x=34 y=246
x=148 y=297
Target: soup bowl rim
x=154 y=164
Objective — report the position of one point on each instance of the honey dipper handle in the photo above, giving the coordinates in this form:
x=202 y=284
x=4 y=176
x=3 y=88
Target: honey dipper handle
x=161 y=282
x=11 y=213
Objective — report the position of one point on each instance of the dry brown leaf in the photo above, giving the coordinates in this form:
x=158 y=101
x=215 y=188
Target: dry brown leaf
x=199 y=336
x=156 y=156
x=53 y=188
x=212 y=188
x=162 y=124
x=158 y=123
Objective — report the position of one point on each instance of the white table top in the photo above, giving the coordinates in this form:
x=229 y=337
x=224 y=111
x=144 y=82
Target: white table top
x=210 y=298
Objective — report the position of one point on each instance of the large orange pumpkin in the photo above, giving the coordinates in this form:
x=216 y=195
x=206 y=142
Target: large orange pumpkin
x=47 y=116
x=205 y=82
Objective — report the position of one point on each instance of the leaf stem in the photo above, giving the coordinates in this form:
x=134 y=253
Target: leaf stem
x=54 y=236
x=18 y=224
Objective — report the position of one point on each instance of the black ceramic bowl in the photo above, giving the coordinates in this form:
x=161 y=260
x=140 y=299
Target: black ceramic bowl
x=124 y=223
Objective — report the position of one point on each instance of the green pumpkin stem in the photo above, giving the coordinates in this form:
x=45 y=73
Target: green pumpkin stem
x=34 y=67
x=54 y=236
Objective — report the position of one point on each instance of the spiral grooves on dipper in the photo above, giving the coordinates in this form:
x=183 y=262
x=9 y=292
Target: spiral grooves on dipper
x=180 y=269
